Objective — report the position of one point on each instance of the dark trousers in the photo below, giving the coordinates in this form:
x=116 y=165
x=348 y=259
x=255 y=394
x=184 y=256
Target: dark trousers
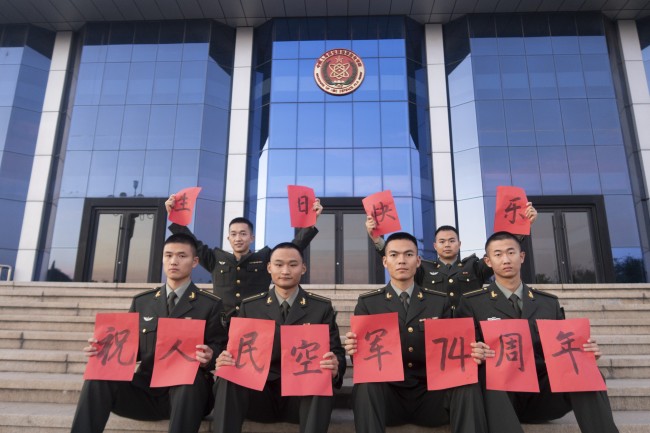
x=507 y=410
x=233 y=403
x=184 y=405
x=377 y=405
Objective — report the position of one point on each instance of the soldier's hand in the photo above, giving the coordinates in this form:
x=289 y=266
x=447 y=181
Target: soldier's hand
x=169 y=203
x=203 y=354
x=480 y=352
x=318 y=208
x=91 y=349
x=531 y=212
x=350 y=343
x=371 y=224
x=591 y=346
x=330 y=362
x=225 y=358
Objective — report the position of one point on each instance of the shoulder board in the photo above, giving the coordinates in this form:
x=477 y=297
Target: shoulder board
x=468 y=258
x=475 y=292
x=318 y=297
x=434 y=292
x=539 y=292
x=372 y=292
x=149 y=291
x=208 y=295
x=252 y=298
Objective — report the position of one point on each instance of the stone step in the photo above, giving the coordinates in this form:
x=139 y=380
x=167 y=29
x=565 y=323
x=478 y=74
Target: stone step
x=42 y=361
x=61 y=323
x=71 y=307
x=57 y=418
x=55 y=340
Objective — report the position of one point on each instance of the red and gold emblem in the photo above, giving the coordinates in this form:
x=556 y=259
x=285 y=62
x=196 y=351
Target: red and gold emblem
x=339 y=71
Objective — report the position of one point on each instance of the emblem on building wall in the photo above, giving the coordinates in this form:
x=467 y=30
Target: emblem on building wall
x=339 y=71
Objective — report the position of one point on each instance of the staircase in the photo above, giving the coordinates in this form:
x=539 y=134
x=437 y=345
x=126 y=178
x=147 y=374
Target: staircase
x=44 y=326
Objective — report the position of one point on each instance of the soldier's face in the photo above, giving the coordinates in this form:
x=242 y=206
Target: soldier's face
x=401 y=259
x=240 y=237
x=178 y=261
x=286 y=267
x=447 y=245
x=505 y=258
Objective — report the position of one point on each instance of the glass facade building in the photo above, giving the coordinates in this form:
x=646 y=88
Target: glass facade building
x=540 y=101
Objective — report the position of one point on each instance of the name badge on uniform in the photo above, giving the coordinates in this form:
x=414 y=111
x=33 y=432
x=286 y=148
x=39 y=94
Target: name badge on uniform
x=494 y=318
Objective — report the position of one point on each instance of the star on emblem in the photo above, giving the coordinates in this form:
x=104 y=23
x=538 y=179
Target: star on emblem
x=493 y=294
x=269 y=300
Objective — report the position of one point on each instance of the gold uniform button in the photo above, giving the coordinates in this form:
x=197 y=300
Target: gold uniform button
x=451 y=281
x=451 y=293
x=237 y=308
x=238 y=268
x=222 y=271
x=237 y=295
x=238 y=281
x=410 y=364
x=410 y=329
x=410 y=349
x=144 y=331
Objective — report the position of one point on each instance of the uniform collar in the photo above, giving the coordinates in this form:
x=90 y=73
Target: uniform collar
x=180 y=291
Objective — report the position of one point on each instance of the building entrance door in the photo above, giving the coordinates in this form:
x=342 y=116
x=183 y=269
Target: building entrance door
x=342 y=253
x=121 y=241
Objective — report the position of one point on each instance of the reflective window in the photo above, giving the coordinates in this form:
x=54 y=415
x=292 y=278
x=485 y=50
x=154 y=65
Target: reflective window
x=643 y=28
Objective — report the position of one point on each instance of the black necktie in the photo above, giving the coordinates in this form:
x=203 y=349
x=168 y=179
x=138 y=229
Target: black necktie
x=171 y=302
x=405 y=300
x=285 y=310
x=514 y=300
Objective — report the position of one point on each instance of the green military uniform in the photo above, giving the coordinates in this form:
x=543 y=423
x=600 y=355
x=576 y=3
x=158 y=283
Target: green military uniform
x=377 y=405
x=234 y=280
x=184 y=405
x=233 y=402
x=505 y=410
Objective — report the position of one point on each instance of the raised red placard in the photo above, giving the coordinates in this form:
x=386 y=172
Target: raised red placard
x=183 y=209
x=381 y=206
x=301 y=202
x=510 y=213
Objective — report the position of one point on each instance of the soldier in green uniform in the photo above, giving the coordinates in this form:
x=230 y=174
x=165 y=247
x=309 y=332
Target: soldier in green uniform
x=508 y=298
x=242 y=273
x=449 y=273
x=377 y=405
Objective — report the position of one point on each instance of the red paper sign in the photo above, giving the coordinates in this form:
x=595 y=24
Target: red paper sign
x=303 y=347
x=513 y=367
x=379 y=350
x=117 y=344
x=510 y=213
x=175 y=359
x=381 y=206
x=570 y=369
x=301 y=203
x=449 y=360
x=183 y=209
x=250 y=341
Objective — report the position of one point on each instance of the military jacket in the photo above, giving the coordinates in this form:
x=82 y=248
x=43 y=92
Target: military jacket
x=489 y=303
x=234 y=280
x=307 y=309
x=424 y=304
x=194 y=304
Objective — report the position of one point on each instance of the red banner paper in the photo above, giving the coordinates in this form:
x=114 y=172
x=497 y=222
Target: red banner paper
x=513 y=366
x=303 y=347
x=183 y=209
x=175 y=359
x=570 y=369
x=510 y=213
x=449 y=360
x=381 y=206
x=117 y=344
x=301 y=203
x=250 y=342
x=379 y=349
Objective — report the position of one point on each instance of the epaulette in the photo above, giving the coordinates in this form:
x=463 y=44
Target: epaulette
x=466 y=259
x=148 y=291
x=318 y=297
x=370 y=293
x=252 y=298
x=433 y=292
x=208 y=294
x=475 y=292
x=539 y=292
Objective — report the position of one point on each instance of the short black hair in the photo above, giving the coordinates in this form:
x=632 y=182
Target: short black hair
x=501 y=236
x=240 y=220
x=446 y=228
x=286 y=246
x=183 y=238
x=401 y=236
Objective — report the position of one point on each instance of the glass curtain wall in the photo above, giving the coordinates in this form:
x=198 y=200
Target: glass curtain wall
x=373 y=139
x=643 y=27
x=533 y=105
x=150 y=117
x=25 y=57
